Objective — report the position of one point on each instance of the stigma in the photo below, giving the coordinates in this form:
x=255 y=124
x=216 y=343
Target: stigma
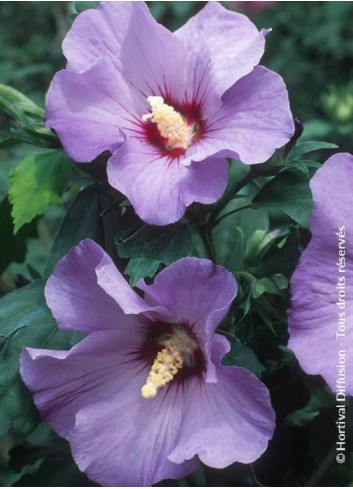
x=171 y=124
x=178 y=352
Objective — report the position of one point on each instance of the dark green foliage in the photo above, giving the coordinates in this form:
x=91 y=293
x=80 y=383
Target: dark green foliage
x=151 y=246
x=13 y=246
x=288 y=192
x=93 y=214
x=242 y=356
x=25 y=320
x=44 y=460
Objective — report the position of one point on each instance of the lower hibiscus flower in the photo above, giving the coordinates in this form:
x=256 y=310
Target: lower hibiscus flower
x=144 y=396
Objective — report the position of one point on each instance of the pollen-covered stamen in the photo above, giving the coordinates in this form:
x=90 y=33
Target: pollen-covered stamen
x=167 y=364
x=178 y=351
x=170 y=123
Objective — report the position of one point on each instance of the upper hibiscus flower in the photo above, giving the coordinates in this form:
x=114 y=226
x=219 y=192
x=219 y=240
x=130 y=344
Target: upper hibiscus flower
x=144 y=396
x=321 y=314
x=169 y=107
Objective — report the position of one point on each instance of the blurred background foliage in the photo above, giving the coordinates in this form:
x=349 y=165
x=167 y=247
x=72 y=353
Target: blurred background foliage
x=311 y=46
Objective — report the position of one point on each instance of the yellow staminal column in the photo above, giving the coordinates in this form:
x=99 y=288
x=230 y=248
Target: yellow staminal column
x=167 y=364
x=170 y=123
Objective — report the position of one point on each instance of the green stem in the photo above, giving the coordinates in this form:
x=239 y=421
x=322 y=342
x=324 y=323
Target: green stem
x=230 y=196
x=216 y=221
x=208 y=244
x=244 y=181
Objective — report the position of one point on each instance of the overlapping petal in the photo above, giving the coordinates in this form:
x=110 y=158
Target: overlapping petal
x=198 y=293
x=77 y=300
x=160 y=188
x=204 y=181
x=315 y=316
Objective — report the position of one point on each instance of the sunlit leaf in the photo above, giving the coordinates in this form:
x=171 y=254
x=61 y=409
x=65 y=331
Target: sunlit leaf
x=36 y=183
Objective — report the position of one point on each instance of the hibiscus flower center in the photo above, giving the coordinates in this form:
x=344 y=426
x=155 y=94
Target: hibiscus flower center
x=172 y=126
x=178 y=352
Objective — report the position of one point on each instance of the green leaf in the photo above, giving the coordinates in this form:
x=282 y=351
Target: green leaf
x=25 y=320
x=270 y=285
x=301 y=167
x=308 y=147
x=321 y=398
x=47 y=464
x=289 y=192
x=267 y=311
x=152 y=246
x=94 y=214
x=282 y=256
x=13 y=247
x=80 y=221
x=307 y=167
x=272 y=166
x=231 y=235
x=241 y=355
x=142 y=267
x=36 y=183
x=229 y=244
x=257 y=245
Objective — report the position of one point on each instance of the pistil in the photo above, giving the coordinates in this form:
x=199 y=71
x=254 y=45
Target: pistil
x=178 y=352
x=167 y=364
x=170 y=123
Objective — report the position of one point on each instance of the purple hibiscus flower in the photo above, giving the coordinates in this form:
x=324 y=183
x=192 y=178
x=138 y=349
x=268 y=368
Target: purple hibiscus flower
x=169 y=107
x=322 y=285
x=144 y=396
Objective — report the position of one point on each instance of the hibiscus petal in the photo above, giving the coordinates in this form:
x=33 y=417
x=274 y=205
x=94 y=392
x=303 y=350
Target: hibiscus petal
x=126 y=441
x=254 y=121
x=114 y=284
x=159 y=188
x=199 y=294
x=79 y=303
x=64 y=382
x=150 y=181
x=89 y=110
x=314 y=315
x=196 y=291
x=228 y=43
x=149 y=56
x=205 y=181
x=226 y=422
